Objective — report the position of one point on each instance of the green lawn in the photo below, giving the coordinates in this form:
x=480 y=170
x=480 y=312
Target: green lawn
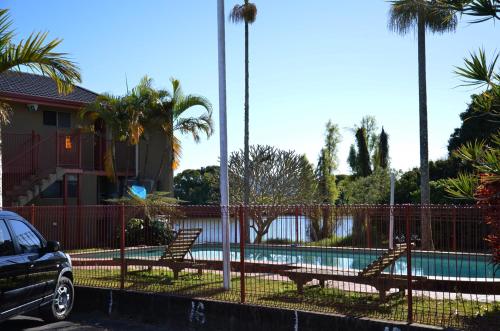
x=266 y=291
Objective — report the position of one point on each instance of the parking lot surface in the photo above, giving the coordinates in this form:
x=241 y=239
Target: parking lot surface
x=77 y=321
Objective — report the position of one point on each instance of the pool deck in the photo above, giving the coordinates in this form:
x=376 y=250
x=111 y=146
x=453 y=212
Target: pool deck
x=481 y=289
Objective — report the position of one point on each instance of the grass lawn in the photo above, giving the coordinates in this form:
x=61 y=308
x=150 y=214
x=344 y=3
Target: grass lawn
x=266 y=291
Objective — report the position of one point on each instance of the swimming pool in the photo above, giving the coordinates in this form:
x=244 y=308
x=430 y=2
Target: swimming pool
x=423 y=263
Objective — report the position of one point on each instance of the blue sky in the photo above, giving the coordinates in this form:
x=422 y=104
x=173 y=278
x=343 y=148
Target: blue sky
x=310 y=62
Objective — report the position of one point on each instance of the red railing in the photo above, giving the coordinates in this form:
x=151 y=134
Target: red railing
x=29 y=165
x=308 y=257
x=29 y=157
x=87 y=151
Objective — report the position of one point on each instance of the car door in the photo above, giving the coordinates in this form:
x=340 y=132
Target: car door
x=14 y=285
x=43 y=267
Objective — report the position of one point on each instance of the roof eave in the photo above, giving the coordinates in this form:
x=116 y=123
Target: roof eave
x=22 y=98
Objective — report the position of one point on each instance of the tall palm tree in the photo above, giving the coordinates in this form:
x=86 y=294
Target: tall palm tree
x=421 y=15
x=247 y=13
x=35 y=54
x=167 y=114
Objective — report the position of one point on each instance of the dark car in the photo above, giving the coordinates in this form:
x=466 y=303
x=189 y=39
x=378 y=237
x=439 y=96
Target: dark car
x=34 y=273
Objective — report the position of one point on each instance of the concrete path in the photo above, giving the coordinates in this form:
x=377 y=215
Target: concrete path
x=77 y=321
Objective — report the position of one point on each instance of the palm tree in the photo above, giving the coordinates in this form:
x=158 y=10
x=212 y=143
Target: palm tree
x=422 y=15
x=32 y=53
x=247 y=13
x=167 y=114
x=112 y=111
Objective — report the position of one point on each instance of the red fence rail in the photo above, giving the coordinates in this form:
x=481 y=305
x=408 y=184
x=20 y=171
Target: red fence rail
x=311 y=257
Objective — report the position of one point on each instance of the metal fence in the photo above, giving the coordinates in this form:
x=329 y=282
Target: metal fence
x=333 y=259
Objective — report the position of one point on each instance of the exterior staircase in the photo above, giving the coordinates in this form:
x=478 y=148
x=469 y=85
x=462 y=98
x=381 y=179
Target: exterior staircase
x=31 y=187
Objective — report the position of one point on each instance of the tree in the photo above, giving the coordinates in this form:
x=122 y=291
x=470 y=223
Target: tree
x=352 y=160
x=483 y=183
x=422 y=15
x=247 y=13
x=326 y=192
x=363 y=156
x=277 y=178
x=367 y=142
x=484 y=10
x=112 y=111
x=35 y=54
x=476 y=126
x=383 y=150
x=198 y=186
x=167 y=115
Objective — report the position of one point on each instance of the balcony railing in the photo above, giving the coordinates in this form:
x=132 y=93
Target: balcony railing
x=30 y=157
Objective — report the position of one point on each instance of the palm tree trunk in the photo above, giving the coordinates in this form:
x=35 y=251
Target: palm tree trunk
x=427 y=242
x=246 y=179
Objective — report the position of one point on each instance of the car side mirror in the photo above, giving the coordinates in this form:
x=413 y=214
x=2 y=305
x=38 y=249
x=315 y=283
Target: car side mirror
x=52 y=247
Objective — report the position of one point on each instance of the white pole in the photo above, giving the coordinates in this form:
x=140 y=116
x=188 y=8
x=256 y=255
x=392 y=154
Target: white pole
x=391 y=217
x=224 y=185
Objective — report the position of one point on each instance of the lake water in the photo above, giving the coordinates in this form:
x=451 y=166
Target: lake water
x=284 y=228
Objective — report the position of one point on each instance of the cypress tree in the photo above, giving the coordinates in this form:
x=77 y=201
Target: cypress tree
x=383 y=150
x=352 y=160
x=363 y=157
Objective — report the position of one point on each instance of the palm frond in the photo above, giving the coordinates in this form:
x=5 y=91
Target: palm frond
x=183 y=104
x=177 y=153
x=5 y=113
x=405 y=14
x=39 y=56
x=246 y=12
x=462 y=187
x=477 y=71
x=6 y=34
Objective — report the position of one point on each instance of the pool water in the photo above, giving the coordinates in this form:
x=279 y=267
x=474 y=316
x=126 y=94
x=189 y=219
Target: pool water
x=423 y=264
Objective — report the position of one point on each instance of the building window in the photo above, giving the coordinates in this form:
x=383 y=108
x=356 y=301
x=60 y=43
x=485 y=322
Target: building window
x=56 y=191
x=50 y=118
x=63 y=120
x=59 y=119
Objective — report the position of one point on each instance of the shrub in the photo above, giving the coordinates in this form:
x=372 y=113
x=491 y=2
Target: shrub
x=154 y=232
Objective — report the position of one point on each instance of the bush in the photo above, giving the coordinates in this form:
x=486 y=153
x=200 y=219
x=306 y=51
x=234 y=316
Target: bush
x=154 y=232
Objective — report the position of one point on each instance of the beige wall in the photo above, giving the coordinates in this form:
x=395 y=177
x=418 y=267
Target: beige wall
x=157 y=144
x=24 y=121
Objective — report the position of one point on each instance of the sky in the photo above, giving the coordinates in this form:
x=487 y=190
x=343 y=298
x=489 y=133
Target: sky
x=310 y=62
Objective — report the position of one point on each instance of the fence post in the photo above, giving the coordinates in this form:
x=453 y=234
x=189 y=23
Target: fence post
x=122 y=247
x=33 y=142
x=32 y=214
x=367 y=228
x=454 y=219
x=297 y=225
x=57 y=149
x=408 y=266
x=242 y=253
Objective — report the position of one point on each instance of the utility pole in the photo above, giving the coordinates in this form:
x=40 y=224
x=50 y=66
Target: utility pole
x=224 y=185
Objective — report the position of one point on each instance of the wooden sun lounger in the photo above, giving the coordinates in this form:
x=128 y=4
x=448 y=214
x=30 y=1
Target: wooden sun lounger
x=174 y=255
x=371 y=275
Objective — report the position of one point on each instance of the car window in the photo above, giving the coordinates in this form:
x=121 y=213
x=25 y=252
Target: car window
x=6 y=245
x=28 y=241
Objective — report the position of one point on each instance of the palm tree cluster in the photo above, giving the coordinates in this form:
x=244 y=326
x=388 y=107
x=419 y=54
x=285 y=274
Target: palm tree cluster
x=143 y=112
